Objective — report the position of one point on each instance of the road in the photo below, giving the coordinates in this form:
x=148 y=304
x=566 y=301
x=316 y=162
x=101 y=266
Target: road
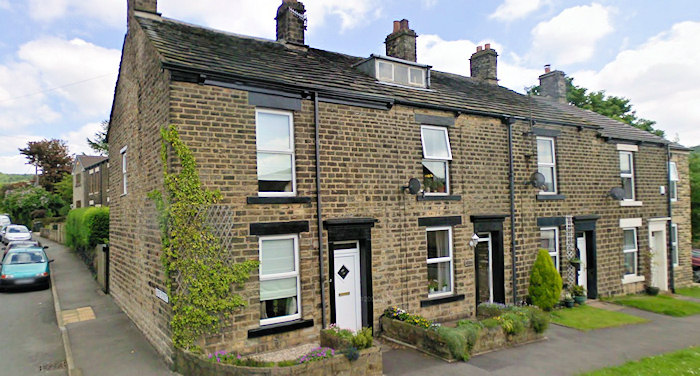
x=31 y=341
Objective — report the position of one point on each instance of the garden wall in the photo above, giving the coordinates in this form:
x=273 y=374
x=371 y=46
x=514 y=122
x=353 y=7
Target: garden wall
x=369 y=363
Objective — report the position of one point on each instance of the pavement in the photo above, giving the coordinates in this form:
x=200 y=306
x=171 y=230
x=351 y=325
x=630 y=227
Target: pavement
x=98 y=337
x=565 y=352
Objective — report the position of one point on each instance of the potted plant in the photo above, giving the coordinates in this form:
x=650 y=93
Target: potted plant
x=568 y=301
x=432 y=285
x=440 y=186
x=579 y=294
x=651 y=290
x=444 y=287
x=575 y=262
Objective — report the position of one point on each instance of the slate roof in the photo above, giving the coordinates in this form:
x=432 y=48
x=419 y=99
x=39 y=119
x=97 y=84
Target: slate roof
x=200 y=49
x=90 y=160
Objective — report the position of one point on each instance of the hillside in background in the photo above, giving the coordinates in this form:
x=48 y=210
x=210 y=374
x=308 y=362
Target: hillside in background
x=12 y=178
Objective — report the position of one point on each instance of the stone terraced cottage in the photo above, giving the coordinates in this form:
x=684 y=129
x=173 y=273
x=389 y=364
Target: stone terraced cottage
x=313 y=150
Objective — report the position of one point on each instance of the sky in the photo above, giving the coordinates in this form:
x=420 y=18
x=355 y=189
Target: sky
x=59 y=59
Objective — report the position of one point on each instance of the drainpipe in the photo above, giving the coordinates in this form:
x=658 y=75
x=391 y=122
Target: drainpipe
x=511 y=177
x=321 y=275
x=670 y=222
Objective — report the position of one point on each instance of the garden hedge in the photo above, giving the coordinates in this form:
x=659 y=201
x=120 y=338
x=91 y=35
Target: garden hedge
x=87 y=227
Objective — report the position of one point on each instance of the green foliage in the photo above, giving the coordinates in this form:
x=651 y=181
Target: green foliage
x=191 y=253
x=51 y=157
x=99 y=143
x=362 y=339
x=662 y=304
x=587 y=318
x=545 y=282
x=617 y=108
x=87 y=227
x=679 y=363
x=539 y=321
x=694 y=165
x=27 y=203
x=513 y=322
x=456 y=342
x=490 y=323
x=64 y=189
x=14 y=178
x=401 y=315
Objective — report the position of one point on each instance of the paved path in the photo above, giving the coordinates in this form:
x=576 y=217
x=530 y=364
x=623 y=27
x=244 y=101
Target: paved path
x=30 y=337
x=110 y=344
x=566 y=352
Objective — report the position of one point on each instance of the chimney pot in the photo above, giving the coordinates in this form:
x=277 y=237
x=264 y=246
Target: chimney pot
x=478 y=48
x=401 y=43
x=547 y=68
x=487 y=46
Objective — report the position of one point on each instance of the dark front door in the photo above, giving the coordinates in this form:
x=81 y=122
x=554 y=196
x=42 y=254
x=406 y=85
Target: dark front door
x=587 y=275
x=488 y=262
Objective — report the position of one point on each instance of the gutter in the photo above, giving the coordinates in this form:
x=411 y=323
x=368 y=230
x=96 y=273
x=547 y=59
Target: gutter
x=321 y=275
x=669 y=254
x=508 y=121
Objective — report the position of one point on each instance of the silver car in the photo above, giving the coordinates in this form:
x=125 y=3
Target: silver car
x=16 y=232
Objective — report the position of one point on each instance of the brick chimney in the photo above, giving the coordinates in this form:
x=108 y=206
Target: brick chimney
x=483 y=64
x=553 y=85
x=150 y=6
x=291 y=22
x=401 y=43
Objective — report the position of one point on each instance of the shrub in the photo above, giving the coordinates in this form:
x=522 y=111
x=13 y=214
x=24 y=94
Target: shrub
x=513 y=322
x=352 y=354
x=87 y=227
x=457 y=343
x=362 y=339
x=490 y=323
x=539 y=321
x=545 y=282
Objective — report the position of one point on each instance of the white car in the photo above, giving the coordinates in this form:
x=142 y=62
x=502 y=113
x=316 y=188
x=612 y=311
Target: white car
x=5 y=220
x=16 y=232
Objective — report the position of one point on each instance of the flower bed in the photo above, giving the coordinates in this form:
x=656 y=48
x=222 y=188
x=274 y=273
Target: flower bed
x=503 y=326
x=344 y=339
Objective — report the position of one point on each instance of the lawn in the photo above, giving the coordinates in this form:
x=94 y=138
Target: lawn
x=678 y=363
x=665 y=305
x=587 y=318
x=693 y=292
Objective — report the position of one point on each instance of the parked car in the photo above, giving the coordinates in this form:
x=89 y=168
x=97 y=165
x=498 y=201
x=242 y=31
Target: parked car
x=696 y=265
x=5 y=219
x=24 y=267
x=20 y=244
x=16 y=232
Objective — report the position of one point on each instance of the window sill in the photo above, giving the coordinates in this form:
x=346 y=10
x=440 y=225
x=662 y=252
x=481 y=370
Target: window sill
x=632 y=279
x=282 y=327
x=278 y=200
x=630 y=203
x=438 y=198
x=543 y=197
x=441 y=300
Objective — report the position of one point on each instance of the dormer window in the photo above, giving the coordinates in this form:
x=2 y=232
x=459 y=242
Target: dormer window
x=395 y=71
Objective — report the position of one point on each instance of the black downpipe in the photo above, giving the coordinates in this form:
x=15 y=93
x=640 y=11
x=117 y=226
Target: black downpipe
x=318 y=212
x=511 y=177
x=669 y=254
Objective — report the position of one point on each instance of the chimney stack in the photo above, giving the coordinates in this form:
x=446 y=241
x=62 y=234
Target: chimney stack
x=401 y=43
x=291 y=22
x=553 y=85
x=483 y=64
x=150 y=6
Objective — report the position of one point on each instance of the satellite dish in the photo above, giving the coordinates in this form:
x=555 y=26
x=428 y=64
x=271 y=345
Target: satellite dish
x=537 y=180
x=413 y=186
x=617 y=193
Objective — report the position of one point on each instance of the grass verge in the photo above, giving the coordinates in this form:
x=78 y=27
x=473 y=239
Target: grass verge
x=678 y=363
x=693 y=292
x=662 y=304
x=587 y=318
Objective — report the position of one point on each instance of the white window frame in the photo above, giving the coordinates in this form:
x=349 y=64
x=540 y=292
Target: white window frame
x=674 y=245
x=432 y=158
x=393 y=75
x=289 y=151
x=673 y=188
x=272 y=277
x=635 y=276
x=629 y=175
x=549 y=165
x=124 y=169
x=556 y=253
x=437 y=260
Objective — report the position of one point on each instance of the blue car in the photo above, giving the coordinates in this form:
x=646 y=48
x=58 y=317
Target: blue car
x=25 y=267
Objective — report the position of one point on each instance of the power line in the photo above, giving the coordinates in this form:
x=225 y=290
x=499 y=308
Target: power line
x=55 y=88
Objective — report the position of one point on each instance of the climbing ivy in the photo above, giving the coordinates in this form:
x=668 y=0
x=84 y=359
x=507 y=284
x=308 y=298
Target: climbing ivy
x=200 y=279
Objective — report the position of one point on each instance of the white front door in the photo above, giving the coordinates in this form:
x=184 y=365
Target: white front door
x=583 y=270
x=659 y=264
x=346 y=280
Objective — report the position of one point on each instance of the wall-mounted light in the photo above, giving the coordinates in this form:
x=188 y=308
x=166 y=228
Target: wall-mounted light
x=474 y=241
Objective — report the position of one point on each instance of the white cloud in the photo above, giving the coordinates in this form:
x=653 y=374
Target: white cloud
x=514 y=9
x=20 y=103
x=76 y=139
x=14 y=162
x=110 y=12
x=571 y=36
x=661 y=78
x=453 y=56
x=257 y=18
x=5 y=4
x=429 y=3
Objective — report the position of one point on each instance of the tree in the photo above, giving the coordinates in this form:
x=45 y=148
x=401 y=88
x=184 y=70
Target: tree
x=51 y=157
x=25 y=204
x=99 y=143
x=545 y=282
x=694 y=164
x=617 y=108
